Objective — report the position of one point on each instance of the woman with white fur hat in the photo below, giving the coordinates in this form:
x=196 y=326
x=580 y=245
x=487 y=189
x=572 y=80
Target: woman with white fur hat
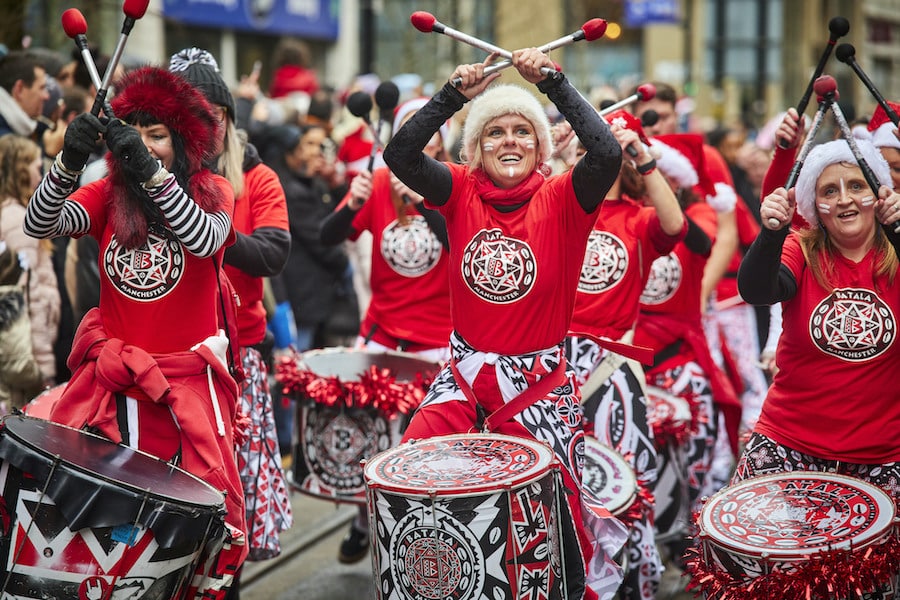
x=834 y=404
x=517 y=243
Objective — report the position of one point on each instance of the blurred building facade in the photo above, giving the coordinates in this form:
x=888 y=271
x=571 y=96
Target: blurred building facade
x=734 y=60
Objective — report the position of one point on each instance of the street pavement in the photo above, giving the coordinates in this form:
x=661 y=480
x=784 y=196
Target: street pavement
x=308 y=569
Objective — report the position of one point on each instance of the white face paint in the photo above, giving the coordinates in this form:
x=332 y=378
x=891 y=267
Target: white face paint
x=488 y=147
x=512 y=172
x=868 y=201
x=530 y=144
x=824 y=208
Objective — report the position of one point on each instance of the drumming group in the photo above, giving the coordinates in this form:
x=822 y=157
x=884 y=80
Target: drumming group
x=534 y=407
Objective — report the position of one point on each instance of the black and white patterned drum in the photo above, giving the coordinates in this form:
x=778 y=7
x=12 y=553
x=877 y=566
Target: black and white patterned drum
x=608 y=477
x=465 y=516
x=795 y=536
x=333 y=437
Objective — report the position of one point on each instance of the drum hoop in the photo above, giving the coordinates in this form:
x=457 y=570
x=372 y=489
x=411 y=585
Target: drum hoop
x=886 y=521
x=546 y=463
x=342 y=350
x=79 y=470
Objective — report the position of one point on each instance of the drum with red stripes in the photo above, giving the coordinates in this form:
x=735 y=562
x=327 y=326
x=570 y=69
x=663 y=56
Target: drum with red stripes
x=85 y=518
x=466 y=516
x=795 y=536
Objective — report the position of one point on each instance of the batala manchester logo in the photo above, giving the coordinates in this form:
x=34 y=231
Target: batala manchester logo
x=146 y=273
x=853 y=324
x=411 y=250
x=605 y=262
x=665 y=279
x=497 y=268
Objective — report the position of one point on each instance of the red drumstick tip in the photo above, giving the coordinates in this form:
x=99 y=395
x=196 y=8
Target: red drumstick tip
x=647 y=91
x=135 y=9
x=825 y=85
x=423 y=21
x=73 y=22
x=594 y=29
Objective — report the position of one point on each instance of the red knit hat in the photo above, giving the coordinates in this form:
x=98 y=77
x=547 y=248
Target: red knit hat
x=628 y=121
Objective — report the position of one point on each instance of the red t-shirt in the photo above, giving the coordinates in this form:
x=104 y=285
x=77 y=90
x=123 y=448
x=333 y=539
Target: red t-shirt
x=626 y=239
x=410 y=271
x=835 y=395
x=261 y=204
x=159 y=297
x=514 y=275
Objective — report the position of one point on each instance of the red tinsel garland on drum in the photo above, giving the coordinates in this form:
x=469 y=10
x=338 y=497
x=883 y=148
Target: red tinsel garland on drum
x=377 y=388
x=827 y=574
x=667 y=431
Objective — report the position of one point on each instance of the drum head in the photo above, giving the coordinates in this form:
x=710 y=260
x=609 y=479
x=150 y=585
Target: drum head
x=101 y=459
x=793 y=515
x=348 y=364
x=607 y=477
x=663 y=407
x=459 y=464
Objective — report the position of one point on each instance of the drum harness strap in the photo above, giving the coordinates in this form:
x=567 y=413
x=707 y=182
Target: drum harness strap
x=484 y=422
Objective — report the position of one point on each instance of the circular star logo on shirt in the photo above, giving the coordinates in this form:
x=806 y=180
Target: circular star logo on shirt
x=148 y=272
x=605 y=262
x=666 y=275
x=497 y=268
x=412 y=249
x=853 y=324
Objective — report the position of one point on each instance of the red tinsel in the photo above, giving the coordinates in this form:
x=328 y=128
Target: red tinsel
x=667 y=432
x=824 y=575
x=642 y=505
x=241 y=428
x=377 y=388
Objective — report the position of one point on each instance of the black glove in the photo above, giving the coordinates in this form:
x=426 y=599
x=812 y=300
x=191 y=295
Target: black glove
x=128 y=148
x=80 y=140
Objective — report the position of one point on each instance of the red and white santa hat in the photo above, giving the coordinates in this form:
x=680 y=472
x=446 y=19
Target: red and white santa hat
x=829 y=153
x=681 y=159
x=725 y=198
x=882 y=129
x=628 y=121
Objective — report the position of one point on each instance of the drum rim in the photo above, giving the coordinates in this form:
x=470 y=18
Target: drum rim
x=105 y=478
x=871 y=536
x=338 y=350
x=621 y=502
x=540 y=470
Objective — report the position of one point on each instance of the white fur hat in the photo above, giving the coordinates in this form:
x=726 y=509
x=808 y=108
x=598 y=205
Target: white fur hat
x=500 y=100
x=827 y=154
x=675 y=164
x=882 y=129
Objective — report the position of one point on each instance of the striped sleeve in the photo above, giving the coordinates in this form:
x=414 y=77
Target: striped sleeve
x=202 y=233
x=49 y=214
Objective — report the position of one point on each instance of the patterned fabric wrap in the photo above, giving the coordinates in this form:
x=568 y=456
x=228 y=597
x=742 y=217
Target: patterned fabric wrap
x=683 y=472
x=259 y=461
x=555 y=420
x=617 y=415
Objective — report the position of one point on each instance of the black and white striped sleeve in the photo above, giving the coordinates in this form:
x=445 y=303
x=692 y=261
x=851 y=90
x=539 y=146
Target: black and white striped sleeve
x=202 y=233
x=49 y=214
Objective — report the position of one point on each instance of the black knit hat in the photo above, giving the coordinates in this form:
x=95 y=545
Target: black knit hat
x=200 y=68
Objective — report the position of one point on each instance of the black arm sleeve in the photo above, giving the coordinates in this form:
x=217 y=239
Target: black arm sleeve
x=762 y=279
x=337 y=226
x=696 y=239
x=597 y=170
x=260 y=254
x=437 y=224
x=404 y=156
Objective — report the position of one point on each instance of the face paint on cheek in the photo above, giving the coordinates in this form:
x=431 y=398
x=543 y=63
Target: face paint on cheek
x=824 y=209
x=488 y=147
x=530 y=144
x=867 y=201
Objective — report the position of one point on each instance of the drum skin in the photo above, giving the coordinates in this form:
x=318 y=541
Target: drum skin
x=608 y=477
x=465 y=516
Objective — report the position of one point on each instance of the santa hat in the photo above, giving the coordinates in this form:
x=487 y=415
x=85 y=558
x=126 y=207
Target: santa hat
x=725 y=198
x=628 y=121
x=411 y=106
x=827 y=154
x=172 y=101
x=200 y=68
x=883 y=130
x=681 y=158
x=500 y=100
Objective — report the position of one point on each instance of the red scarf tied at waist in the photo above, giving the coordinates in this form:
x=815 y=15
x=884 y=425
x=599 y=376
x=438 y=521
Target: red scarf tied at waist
x=668 y=329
